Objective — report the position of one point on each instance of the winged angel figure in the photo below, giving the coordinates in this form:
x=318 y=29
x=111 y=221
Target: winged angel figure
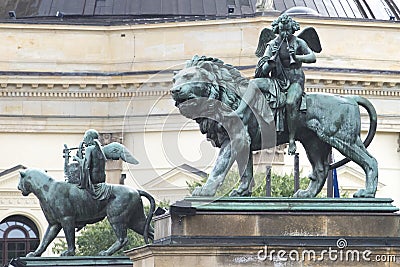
x=281 y=55
x=88 y=168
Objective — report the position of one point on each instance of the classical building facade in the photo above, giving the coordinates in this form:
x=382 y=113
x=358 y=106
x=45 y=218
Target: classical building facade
x=63 y=73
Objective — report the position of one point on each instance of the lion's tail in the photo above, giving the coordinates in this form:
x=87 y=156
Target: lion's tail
x=149 y=216
x=372 y=127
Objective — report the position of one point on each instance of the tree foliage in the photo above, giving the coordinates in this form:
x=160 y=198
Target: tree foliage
x=281 y=185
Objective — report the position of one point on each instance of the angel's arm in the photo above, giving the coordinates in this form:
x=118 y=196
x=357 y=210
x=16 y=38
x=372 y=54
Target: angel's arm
x=304 y=53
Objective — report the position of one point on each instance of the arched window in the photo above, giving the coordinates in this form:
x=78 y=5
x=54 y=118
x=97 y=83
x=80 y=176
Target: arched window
x=18 y=236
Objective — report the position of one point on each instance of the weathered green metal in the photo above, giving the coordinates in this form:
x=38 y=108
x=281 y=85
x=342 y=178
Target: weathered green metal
x=88 y=261
x=271 y=204
x=241 y=116
x=86 y=198
x=67 y=207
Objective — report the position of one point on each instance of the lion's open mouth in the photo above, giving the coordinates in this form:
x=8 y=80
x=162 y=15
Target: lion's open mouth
x=180 y=99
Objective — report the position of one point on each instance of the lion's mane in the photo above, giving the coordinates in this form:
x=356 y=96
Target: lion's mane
x=227 y=85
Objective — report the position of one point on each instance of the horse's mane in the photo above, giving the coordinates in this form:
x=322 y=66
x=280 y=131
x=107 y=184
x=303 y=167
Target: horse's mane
x=229 y=80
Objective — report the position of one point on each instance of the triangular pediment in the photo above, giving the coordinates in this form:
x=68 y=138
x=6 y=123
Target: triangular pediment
x=9 y=178
x=177 y=177
x=172 y=185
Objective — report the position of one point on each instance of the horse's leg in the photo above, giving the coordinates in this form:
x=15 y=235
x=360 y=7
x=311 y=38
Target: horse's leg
x=68 y=225
x=317 y=153
x=120 y=230
x=358 y=153
x=245 y=165
x=51 y=233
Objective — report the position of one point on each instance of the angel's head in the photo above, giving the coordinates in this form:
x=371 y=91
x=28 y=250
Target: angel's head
x=285 y=25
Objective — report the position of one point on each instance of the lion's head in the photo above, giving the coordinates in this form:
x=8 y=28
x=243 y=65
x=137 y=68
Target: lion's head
x=205 y=90
x=207 y=78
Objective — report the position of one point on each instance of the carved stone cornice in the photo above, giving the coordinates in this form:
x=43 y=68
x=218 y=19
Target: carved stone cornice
x=340 y=90
x=108 y=138
x=105 y=93
x=154 y=89
x=15 y=199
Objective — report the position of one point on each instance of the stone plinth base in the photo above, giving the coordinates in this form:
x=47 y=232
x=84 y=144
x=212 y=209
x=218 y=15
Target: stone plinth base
x=245 y=255
x=272 y=231
x=198 y=220
x=78 y=261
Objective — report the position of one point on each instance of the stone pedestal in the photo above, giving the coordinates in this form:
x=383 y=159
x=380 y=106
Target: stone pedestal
x=78 y=261
x=268 y=231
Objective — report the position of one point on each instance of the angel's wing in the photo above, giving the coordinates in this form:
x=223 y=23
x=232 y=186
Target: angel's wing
x=310 y=36
x=117 y=151
x=266 y=35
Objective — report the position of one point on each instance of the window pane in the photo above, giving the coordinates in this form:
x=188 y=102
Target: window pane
x=11 y=246
x=32 y=234
x=16 y=233
x=33 y=245
x=3 y=226
x=20 y=246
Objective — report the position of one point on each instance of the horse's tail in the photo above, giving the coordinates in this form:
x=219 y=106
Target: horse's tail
x=372 y=127
x=149 y=216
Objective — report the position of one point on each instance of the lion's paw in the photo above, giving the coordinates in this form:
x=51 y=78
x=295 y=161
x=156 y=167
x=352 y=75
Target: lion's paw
x=240 y=193
x=201 y=191
x=197 y=191
x=31 y=254
x=302 y=194
x=103 y=253
x=234 y=193
x=363 y=193
x=68 y=253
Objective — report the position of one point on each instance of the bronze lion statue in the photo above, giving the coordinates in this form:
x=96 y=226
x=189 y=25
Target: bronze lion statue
x=67 y=207
x=207 y=90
